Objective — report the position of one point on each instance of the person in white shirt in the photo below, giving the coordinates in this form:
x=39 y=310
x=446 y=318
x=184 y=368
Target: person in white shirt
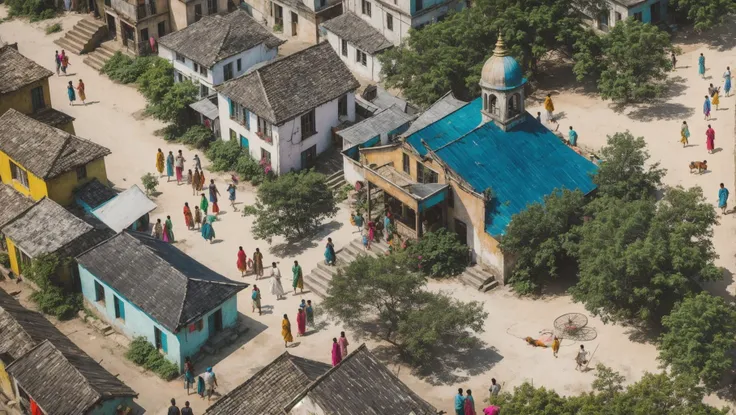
x=276 y=288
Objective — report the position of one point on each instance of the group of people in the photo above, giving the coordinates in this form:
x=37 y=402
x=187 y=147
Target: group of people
x=276 y=288
x=62 y=62
x=465 y=404
x=304 y=317
x=255 y=264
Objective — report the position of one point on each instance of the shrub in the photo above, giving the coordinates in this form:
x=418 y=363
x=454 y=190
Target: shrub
x=174 y=104
x=197 y=136
x=136 y=69
x=224 y=155
x=149 y=182
x=51 y=299
x=249 y=169
x=116 y=65
x=5 y=259
x=343 y=192
x=142 y=353
x=156 y=80
x=278 y=28
x=54 y=28
x=35 y=9
x=439 y=254
x=172 y=132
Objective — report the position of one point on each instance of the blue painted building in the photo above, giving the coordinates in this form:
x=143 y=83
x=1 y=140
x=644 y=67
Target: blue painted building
x=146 y=287
x=470 y=167
x=646 y=11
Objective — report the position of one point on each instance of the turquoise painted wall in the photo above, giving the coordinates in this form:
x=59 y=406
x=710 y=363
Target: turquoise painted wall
x=646 y=13
x=191 y=342
x=108 y=407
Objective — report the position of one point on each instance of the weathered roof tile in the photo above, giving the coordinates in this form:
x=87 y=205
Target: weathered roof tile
x=17 y=71
x=357 y=31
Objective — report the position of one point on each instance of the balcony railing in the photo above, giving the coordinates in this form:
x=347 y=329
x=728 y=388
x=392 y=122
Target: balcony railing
x=135 y=11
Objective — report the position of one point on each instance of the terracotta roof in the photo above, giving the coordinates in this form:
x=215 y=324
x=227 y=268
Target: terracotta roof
x=217 y=37
x=45 y=151
x=357 y=31
x=365 y=387
x=292 y=85
x=266 y=392
x=13 y=203
x=17 y=71
x=164 y=282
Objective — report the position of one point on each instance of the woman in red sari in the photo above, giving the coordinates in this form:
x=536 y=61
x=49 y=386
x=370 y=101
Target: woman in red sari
x=188 y=218
x=301 y=322
x=242 y=261
x=336 y=353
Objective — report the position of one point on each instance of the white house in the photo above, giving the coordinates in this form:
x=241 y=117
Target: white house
x=283 y=112
x=358 y=44
x=218 y=48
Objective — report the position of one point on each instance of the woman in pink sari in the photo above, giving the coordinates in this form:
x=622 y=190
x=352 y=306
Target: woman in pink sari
x=301 y=322
x=710 y=139
x=336 y=355
x=469 y=403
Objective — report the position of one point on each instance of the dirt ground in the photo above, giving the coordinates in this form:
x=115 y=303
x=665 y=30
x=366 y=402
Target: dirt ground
x=111 y=118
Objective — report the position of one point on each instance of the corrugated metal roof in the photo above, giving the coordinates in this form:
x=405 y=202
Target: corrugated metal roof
x=124 y=209
x=206 y=107
x=383 y=122
x=441 y=108
x=450 y=127
x=521 y=165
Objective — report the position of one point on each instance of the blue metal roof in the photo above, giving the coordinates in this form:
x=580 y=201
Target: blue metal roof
x=452 y=126
x=521 y=166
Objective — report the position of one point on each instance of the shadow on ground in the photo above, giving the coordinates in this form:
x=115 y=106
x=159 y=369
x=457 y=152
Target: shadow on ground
x=296 y=247
x=555 y=74
x=720 y=287
x=720 y=37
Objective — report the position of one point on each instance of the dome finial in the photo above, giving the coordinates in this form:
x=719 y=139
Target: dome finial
x=500 y=50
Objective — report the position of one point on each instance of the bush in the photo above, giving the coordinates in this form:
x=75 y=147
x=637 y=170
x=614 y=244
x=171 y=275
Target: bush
x=149 y=182
x=174 y=104
x=249 y=169
x=156 y=80
x=172 y=132
x=343 y=192
x=197 y=136
x=5 y=259
x=54 y=28
x=116 y=65
x=51 y=299
x=224 y=155
x=142 y=353
x=35 y=9
x=439 y=254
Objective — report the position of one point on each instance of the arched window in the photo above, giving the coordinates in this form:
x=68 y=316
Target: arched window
x=492 y=104
x=485 y=102
x=514 y=105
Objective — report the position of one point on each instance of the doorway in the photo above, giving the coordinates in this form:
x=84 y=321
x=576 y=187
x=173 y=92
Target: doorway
x=197 y=12
x=294 y=23
x=214 y=322
x=654 y=10
x=461 y=229
x=309 y=157
x=111 y=27
x=161 y=29
x=159 y=339
x=144 y=35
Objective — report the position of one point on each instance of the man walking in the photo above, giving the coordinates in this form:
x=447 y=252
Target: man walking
x=210 y=382
x=173 y=409
x=581 y=358
x=495 y=388
x=186 y=410
x=723 y=199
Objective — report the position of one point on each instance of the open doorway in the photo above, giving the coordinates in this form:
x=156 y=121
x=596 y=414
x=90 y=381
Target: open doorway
x=294 y=23
x=111 y=26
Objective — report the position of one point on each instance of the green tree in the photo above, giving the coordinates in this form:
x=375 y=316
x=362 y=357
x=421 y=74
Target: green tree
x=150 y=181
x=35 y=9
x=699 y=338
x=638 y=258
x=392 y=295
x=173 y=105
x=528 y=400
x=536 y=237
x=630 y=63
x=704 y=14
x=625 y=173
x=292 y=205
x=439 y=254
x=51 y=298
x=157 y=80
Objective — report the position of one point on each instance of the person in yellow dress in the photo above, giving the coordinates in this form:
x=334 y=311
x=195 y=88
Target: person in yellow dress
x=715 y=101
x=286 y=331
x=160 y=162
x=555 y=346
x=549 y=106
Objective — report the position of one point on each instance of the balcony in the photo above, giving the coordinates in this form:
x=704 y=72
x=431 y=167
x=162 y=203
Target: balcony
x=133 y=11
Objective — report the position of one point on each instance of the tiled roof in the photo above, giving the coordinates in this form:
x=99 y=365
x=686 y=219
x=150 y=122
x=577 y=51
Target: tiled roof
x=266 y=392
x=217 y=37
x=382 y=122
x=361 y=385
x=167 y=284
x=94 y=193
x=17 y=71
x=292 y=85
x=357 y=31
x=45 y=151
x=12 y=203
x=52 y=117
x=63 y=380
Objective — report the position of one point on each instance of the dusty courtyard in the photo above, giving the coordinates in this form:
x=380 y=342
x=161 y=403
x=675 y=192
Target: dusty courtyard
x=110 y=118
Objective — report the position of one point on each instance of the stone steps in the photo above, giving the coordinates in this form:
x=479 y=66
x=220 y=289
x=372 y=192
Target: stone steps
x=83 y=37
x=336 y=180
x=101 y=55
x=475 y=276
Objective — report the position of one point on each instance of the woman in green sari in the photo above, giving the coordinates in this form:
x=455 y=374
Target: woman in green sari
x=297 y=279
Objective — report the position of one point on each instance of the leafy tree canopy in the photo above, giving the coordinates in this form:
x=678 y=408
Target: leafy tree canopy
x=156 y=81
x=638 y=258
x=536 y=237
x=292 y=205
x=704 y=14
x=439 y=254
x=624 y=174
x=699 y=339
x=630 y=63
x=174 y=103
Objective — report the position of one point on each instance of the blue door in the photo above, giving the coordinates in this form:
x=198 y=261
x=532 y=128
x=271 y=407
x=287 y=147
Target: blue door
x=211 y=325
x=119 y=308
x=244 y=143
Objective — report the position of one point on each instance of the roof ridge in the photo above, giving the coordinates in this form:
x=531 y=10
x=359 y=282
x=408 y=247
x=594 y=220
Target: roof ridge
x=265 y=93
x=183 y=301
x=24 y=211
x=230 y=282
x=67 y=140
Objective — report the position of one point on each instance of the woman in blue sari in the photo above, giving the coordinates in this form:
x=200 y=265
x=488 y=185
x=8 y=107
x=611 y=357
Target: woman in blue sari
x=701 y=65
x=169 y=166
x=727 y=77
x=330 y=257
x=208 y=232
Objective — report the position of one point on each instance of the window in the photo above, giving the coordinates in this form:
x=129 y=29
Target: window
x=227 y=71
x=344 y=47
x=322 y=3
x=406 y=163
x=144 y=34
x=197 y=12
x=637 y=16
x=309 y=157
x=425 y=175
x=365 y=7
x=246 y=118
x=203 y=90
x=266 y=157
x=196 y=66
x=309 y=126
x=119 y=308
x=419 y=5
x=389 y=21
x=81 y=172
x=202 y=70
x=196 y=326
x=18 y=174
x=264 y=128
x=360 y=57
x=37 y=98
x=180 y=76
x=161 y=29
x=99 y=293
x=233 y=135
x=514 y=106
x=181 y=58
x=211 y=6
x=239 y=64
x=342 y=106
x=160 y=339
x=618 y=16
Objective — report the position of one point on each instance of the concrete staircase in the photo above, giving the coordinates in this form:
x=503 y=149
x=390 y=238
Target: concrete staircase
x=83 y=37
x=475 y=276
x=102 y=54
x=318 y=280
x=336 y=180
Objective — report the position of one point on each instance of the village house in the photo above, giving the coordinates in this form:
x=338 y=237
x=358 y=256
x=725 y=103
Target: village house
x=645 y=11
x=92 y=195
x=132 y=23
x=48 y=228
x=300 y=19
x=41 y=368
x=24 y=87
x=469 y=167
x=42 y=161
x=129 y=210
x=297 y=386
x=283 y=112
x=186 y=12
x=217 y=49
x=358 y=44
x=146 y=287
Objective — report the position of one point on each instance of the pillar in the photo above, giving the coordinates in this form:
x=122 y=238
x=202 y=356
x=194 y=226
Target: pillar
x=368 y=191
x=418 y=217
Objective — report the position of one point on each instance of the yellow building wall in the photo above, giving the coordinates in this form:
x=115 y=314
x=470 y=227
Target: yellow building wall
x=20 y=100
x=6 y=386
x=37 y=187
x=13 y=257
x=61 y=189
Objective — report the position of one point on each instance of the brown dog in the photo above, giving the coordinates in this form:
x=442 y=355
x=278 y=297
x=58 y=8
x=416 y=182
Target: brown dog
x=700 y=166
